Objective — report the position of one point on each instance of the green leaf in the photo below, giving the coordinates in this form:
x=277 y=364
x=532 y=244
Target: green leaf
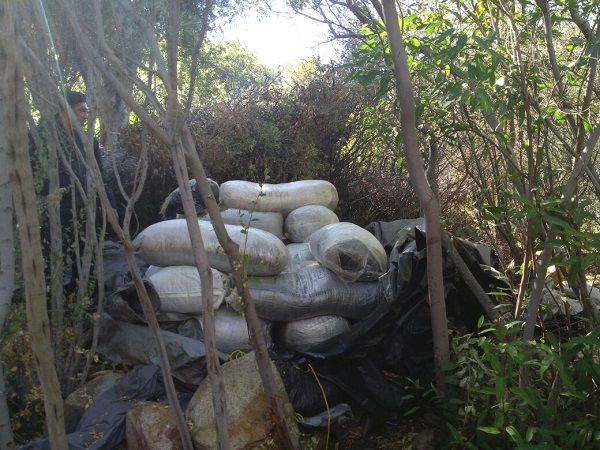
x=514 y=434
x=554 y=220
x=526 y=395
x=455 y=433
x=411 y=411
x=482 y=43
x=545 y=364
x=500 y=388
x=489 y=430
x=460 y=42
x=480 y=322
x=484 y=390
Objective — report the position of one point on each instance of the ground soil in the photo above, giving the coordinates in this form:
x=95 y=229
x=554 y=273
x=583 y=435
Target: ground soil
x=410 y=435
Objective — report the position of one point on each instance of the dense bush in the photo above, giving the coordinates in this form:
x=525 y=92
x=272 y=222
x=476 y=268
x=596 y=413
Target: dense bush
x=313 y=129
x=489 y=408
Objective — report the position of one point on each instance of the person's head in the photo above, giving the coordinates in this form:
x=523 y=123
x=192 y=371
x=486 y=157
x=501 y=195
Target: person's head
x=78 y=104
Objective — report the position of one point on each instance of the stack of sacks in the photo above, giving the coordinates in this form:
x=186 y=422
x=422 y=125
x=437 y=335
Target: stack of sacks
x=180 y=291
x=316 y=286
x=167 y=244
x=330 y=279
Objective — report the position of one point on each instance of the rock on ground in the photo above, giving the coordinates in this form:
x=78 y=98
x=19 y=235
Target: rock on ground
x=152 y=426
x=249 y=419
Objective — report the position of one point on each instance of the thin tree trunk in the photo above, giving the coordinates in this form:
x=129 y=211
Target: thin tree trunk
x=206 y=281
x=427 y=199
x=546 y=254
x=14 y=121
x=239 y=276
x=471 y=282
x=7 y=253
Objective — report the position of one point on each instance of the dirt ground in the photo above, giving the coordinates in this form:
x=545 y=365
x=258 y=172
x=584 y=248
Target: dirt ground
x=411 y=435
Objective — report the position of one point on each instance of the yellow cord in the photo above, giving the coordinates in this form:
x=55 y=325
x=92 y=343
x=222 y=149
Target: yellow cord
x=326 y=405
x=235 y=355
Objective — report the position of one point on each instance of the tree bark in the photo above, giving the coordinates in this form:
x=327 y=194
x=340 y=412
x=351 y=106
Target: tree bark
x=7 y=253
x=428 y=201
x=546 y=254
x=210 y=337
x=257 y=338
x=14 y=120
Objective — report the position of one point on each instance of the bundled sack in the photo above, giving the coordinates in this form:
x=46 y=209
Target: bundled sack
x=304 y=221
x=168 y=244
x=232 y=331
x=350 y=251
x=298 y=252
x=151 y=270
x=267 y=221
x=308 y=290
x=315 y=334
x=180 y=290
x=283 y=197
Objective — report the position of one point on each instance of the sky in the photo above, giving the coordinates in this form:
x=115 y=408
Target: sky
x=281 y=39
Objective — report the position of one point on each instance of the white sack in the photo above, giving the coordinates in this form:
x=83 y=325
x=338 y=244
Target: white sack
x=180 y=290
x=283 y=197
x=350 y=251
x=267 y=221
x=311 y=335
x=298 y=252
x=168 y=244
x=151 y=270
x=308 y=290
x=304 y=221
x=232 y=331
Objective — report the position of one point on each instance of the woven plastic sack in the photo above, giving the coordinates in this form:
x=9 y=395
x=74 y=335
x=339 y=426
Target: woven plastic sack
x=180 y=290
x=350 y=251
x=283 y=197
x=309 y=290
x=304 y=221
x=168 y=244
x=267 y=221
x=314 y=334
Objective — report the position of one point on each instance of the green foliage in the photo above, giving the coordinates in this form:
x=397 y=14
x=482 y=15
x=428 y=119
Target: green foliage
x=312 y=125
x=503 y=102
x=488 y=408
x=226 y=73
x=572 y=228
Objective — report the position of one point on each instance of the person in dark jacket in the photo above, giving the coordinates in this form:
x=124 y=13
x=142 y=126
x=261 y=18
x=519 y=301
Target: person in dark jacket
x=72 y=165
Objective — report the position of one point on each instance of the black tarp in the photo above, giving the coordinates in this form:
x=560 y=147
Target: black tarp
x=102 y=426
x=372 y=370
x=391 y=349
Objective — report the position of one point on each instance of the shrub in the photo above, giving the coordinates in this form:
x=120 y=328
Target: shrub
x=488 y=408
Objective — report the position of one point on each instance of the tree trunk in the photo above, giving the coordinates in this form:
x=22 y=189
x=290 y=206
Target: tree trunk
x=13 y=120
x=257 y=338
x=428 y=201
x=7 y=253
x=205 y=273
x=546 y=254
